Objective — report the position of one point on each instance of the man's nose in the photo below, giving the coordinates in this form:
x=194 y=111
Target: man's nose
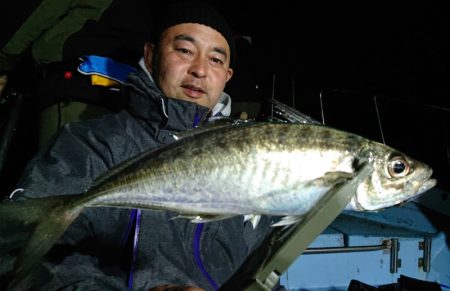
x=198 y=67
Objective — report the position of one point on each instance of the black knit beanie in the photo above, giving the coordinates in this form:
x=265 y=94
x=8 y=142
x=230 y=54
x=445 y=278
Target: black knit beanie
x=193 y=12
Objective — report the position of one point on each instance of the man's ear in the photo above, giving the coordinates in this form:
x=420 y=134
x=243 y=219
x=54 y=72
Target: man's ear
x=149 y=50
x=229 y=74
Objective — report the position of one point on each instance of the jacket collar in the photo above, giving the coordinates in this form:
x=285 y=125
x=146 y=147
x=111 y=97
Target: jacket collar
x=221 y=109
x=147 y=102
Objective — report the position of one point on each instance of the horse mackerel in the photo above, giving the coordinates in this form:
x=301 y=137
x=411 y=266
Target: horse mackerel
x=254 y=169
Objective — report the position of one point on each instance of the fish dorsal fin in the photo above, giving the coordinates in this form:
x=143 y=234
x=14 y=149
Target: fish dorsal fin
x=218 y=124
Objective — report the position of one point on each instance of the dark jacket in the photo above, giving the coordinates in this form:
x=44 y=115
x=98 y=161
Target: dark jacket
x=94 y=253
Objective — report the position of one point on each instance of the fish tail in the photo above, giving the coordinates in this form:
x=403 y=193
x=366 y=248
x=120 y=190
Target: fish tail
x=42 y=222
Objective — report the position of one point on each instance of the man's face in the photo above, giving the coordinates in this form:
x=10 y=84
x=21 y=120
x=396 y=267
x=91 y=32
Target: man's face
x=191 y=63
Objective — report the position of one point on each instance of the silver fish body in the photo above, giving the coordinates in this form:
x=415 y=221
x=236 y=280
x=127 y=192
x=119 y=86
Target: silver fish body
x=267 y=168
x=251 y=169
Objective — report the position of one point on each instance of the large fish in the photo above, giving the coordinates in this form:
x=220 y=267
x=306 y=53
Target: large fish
x=250 y=169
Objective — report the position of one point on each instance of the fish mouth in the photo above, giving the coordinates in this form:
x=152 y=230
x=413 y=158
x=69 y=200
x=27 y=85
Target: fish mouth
x=427 y=185
x=420 y=189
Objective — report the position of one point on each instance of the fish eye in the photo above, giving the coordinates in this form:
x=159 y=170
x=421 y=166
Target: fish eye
x=398 y=167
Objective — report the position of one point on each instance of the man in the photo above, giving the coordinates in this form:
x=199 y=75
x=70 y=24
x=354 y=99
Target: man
x=180 y=85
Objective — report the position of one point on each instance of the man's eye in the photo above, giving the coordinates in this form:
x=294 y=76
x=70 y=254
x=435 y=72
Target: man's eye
x=184 y=51
x=217 y=60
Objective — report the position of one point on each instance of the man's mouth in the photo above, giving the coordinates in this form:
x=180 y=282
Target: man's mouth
x=193 y=91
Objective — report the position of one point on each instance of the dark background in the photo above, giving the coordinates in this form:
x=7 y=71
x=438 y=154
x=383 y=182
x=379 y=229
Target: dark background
x=395 y=48
x=399 y=49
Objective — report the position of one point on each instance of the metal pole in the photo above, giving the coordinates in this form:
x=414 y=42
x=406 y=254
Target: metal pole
x=394 y=256
x=329 y=250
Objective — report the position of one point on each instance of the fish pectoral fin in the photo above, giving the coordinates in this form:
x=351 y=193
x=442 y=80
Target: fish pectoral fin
x=288 y=220
x=253 y=218
x=195 y=218
x=331 y=179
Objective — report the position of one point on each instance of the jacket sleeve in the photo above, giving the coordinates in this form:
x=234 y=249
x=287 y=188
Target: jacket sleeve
x=68 y=165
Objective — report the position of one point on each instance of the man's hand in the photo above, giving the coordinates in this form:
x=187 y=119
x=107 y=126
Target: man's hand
x=3 y=81
x=175 y=288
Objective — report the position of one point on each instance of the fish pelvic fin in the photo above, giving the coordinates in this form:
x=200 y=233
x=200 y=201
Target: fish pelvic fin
x=195 y=218
x=50 y=217
x=288 y=220
x=253 y=218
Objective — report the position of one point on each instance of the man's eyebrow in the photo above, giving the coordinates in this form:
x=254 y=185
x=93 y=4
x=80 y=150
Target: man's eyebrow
x=185 y=37
x=189 y=38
